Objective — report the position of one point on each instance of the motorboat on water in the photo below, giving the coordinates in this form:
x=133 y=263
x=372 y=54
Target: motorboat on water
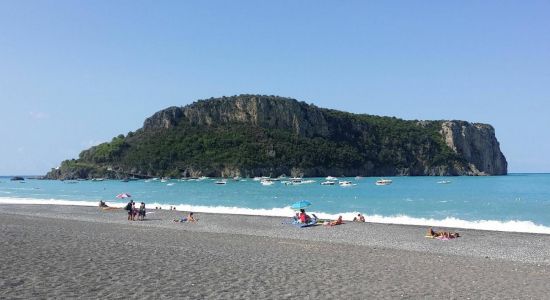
x=345 y=183
x=223 y=181
x=328 y=182
x=383 y=181
x=330 y=178
x=267 y=182
x=444 y=182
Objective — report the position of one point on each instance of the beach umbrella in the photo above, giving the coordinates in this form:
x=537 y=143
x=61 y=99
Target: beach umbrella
x=123 y=195
x=300 y=204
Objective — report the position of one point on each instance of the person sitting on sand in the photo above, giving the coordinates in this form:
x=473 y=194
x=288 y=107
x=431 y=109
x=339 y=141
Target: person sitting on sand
x=359 y=218
x=102 y=204
x=304 y=218
x=191 y=218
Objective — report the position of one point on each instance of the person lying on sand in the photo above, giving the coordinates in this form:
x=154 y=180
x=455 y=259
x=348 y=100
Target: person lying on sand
x=442 y=234
x=189 y=218
x=335 y=222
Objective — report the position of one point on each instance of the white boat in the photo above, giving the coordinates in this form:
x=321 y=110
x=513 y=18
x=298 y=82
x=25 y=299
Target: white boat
x=346 y=183
x=170 y=184
x=383 y=181
x=97 y=179
x=221 y=182
x=267 y=182
x=328 y=182
x=444 y=182
x=257 y=178
x=163 y=180
x=331 y=178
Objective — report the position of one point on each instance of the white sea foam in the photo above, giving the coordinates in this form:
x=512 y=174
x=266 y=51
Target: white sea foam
x=510 y=226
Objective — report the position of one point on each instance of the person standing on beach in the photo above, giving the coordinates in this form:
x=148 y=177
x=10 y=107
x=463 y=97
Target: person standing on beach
x=141 y=214
x=134 y=211
x=129 y=209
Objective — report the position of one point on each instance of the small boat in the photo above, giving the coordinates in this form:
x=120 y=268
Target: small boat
x=329 y=178
x=444 y=182
x=221 y=182
x=17 y=178
x=170 y=184
x=98 y=179
x=346 y=183
x=267 y=182
x=383 y=181
x=328 y=182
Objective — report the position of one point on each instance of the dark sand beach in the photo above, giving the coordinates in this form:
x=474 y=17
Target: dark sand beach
x=84 y=252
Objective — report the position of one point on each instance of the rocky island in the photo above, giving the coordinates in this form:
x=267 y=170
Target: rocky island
x=255 y=135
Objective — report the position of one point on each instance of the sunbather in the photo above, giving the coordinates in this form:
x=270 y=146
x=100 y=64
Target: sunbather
x=335 y=222
x=442 y=234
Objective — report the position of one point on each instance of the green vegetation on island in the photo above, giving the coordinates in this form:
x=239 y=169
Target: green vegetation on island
x=252 y=135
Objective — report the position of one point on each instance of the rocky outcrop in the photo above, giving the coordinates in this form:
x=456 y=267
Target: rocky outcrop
x=262 y=111
x=477 y=144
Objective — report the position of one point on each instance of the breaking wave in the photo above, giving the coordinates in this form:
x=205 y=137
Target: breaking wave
x=496 y=225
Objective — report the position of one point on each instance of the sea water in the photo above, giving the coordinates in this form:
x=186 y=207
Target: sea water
x=516 y=202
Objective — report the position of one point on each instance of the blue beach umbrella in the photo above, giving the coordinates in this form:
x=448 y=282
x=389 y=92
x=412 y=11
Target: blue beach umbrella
x=300 y=204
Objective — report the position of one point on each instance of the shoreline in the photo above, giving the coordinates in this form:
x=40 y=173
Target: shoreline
x=448 y=222
x=510 y=246
x=83 y=252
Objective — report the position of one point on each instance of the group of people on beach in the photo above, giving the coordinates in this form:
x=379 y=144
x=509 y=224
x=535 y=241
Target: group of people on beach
x=134 y=212
x=303 y=218
x=441 y=234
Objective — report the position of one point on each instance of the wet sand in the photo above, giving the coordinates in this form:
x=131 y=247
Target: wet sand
x=68 y=252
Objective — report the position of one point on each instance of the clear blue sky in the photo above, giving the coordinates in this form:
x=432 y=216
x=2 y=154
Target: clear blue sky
x=76 y=73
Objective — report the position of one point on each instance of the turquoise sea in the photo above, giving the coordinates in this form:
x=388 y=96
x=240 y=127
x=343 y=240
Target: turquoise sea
x=517 y=202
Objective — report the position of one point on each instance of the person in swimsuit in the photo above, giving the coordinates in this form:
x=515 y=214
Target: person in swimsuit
x=337 y=222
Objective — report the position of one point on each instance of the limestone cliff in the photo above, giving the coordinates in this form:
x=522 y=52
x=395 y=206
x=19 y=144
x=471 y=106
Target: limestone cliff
x=478 y=145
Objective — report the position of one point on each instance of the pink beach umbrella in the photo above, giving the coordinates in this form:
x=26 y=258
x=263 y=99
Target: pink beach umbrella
x=123 y=195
